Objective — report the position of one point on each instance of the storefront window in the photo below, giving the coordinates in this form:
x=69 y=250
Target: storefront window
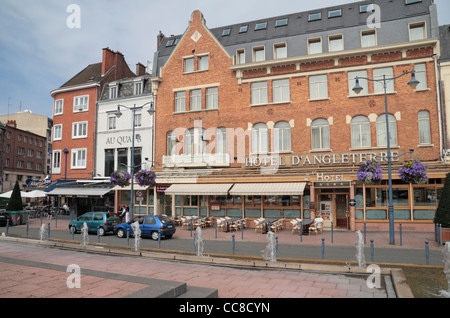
x=424 y=197
x=399 y=197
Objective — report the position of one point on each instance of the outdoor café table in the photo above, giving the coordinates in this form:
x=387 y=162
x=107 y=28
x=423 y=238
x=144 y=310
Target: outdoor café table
x=305 y=226
x=228 y=223
x=267 y=223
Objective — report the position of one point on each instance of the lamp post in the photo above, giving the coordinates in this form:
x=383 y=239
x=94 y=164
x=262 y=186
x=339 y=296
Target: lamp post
x=357 y=89
x=119 y=114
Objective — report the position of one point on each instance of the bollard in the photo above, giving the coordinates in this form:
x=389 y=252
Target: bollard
x=56 y=220
x=216 y=228
x=436 y=233
x=301 y=231
x=98 y=234
x=72 y=229
x=128 y=237
x=365 y=231
x=194 y=243
x=48 y=229
x=7 y=226
x=242 y=229
x=427 y=253
x=440 y=235
x=371 y=251
x=276 y=246
x=331 y=232
x=191 y=227
x=232 y=236
x=400 y=230
x=159 y=239
x=41 y=218
x=27 y=227
x=323 y=248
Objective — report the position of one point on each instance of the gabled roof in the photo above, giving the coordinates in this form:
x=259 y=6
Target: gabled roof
x=91 y=74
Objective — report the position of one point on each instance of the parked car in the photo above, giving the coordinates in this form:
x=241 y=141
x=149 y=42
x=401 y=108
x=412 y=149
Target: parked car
x=104 y=221
x=3 y=217
x=150 y=226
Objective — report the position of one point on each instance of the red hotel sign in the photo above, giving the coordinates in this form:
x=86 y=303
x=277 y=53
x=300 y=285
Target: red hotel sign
x=161 y=189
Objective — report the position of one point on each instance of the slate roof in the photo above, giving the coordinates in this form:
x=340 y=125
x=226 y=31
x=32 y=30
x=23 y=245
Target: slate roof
x=444 y=35
x=91 y=74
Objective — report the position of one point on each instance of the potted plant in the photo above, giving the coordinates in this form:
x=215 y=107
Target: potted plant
x=145 y=178
x=414 y=172
x=15 y=207
x=370 y=172
x=442 y=216
x=120 y=178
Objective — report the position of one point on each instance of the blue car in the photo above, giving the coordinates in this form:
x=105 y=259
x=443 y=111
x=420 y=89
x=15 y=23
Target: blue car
x=150 y=226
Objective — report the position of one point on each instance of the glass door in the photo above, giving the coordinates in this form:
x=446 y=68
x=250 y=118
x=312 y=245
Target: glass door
x=341 y=210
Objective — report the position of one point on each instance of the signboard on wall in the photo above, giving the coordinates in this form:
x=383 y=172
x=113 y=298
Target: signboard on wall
x=161 y=189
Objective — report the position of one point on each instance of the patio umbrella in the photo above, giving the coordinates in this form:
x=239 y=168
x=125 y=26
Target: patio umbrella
x=8 y=194
x=34 y=194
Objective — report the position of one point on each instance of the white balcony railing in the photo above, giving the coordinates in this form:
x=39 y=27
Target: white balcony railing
x=197 y=161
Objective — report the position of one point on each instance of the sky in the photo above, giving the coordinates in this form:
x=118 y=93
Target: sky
x=44 y=43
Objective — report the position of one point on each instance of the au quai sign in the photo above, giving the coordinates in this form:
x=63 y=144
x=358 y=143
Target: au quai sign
x=316 y=159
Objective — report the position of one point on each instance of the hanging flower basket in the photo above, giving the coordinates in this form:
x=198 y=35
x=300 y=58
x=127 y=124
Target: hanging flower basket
x=414 y=172
x=120 y=178
x=370 y=172
x=145 y=178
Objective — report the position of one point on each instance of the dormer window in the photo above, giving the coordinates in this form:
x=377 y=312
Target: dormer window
x=243 y=29
x=261 y=26
x=113 y=92
x=226 y=32
x=138 y=87
x=281 y=22
x=315 y=16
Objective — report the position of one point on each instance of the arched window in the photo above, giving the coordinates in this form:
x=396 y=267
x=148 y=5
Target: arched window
x=424 y=127
x=381 y=130
x=195 y=143
x=260 y=140
x=320 y=134
x=171 y=143
x=282 y=137
x=221 y=141
x=360 y=126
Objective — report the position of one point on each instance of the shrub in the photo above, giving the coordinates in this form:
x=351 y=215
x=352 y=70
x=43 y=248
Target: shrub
x=15 y=202
x=443 y=211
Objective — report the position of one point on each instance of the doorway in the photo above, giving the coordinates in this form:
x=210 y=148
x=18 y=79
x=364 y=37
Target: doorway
x=333 y=207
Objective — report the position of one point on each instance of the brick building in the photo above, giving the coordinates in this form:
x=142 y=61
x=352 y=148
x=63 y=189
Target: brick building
x=22 y=155
x=260 y=119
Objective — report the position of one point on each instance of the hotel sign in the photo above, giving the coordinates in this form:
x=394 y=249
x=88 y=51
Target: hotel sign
x=315 y=159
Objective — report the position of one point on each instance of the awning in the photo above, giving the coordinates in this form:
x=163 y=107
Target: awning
x=80 y=192
x=136 y=187
x=268 y=188
x=199 y=189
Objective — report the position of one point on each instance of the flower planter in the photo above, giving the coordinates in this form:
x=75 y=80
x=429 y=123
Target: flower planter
x=445 y=233
x=17 y=217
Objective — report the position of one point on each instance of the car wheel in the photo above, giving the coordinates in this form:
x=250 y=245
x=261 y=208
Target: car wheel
x=168 y=236
x=155 y=235
x=101 y=231
x=120 y=233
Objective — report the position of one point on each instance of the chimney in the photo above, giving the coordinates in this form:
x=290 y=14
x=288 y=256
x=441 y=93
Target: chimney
x=140 y=69
x=108 y=60
x=11 y=123
x=159 y=39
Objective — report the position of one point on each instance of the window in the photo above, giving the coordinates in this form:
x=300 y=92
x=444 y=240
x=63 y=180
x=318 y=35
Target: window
x=137 y=120
x=243 y=29
x=261 y=26
x=281 y=22
x=194 y=142
x=421 y=76
x=362 y=82
x=113 y=92
x=424 y=127
x=29 y=165
x=378 y=74
x=137 y=159
x=212 y=98
x=318 y=87
x=30 y=152
x=282 y=137
x=417 y=31
x=221 y=141
x=259 y=54
x=336 y=43
x=280 y=51
x=38 y=167
x=364 y=8
x=57 y=132
x=381 y=130
x=59 y=106
x=226 y=32
x=171 y=143
x=260 y=139
x=79 y=130
x=20 y=151
x=189 y=65
x=138 y=87
x=39 y=154
x=122 y=159
x=335 y=13
x=19 y=164
x=281 y=91
x=368 y=38
x=203 y=63
x=360 y=128
x=315 y=16
x=320 y=134
x=240 y=55
x=81 y=103
x=78 y=158
x=196 y=99
x=412 y=1
x=180 y=101
x=315 y=46
x=259 y=93
x=112 y=122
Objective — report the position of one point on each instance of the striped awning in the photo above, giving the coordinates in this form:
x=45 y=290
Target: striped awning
x=199 y=189
x=296 y=188
x=80 y=192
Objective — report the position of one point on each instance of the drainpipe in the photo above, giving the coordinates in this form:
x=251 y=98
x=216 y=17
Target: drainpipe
x=442 y=129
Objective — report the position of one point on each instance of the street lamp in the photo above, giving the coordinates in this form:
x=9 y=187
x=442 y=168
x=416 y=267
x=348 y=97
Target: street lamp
x=357 y=89
x=119 y=114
